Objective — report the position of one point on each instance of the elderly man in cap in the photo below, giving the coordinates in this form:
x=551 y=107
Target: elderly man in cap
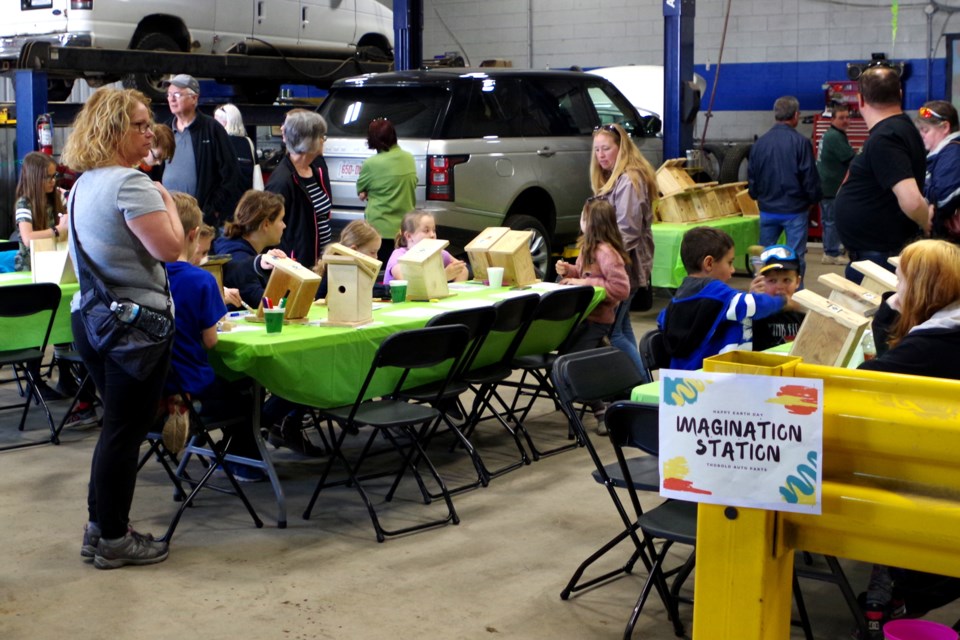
x=204 y=165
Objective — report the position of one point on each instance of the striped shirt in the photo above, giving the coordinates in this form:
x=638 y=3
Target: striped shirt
x=321 y=210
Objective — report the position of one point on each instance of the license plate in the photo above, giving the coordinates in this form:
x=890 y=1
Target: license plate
x=349 y=170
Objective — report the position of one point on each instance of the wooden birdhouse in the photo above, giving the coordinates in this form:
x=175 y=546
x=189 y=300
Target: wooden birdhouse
x=851 y=295
x=478 y=251
x=350 y=279
x=50 y=262
x=214 y=266
x=875 y=278
x=829 y=333
x=422 y=268
x=512 y=252
x=291 y=280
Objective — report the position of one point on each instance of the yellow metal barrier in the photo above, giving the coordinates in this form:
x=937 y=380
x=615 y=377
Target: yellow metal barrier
x=891 y=494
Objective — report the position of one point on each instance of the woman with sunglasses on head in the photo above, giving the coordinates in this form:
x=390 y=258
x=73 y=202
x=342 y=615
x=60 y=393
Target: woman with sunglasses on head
x=938 y=124
x=39 y=207
x=124 y=227
x=623 y=177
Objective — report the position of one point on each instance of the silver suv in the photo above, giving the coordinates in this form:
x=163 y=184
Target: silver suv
x=493 y=147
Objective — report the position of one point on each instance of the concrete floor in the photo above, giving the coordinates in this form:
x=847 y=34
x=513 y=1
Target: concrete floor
x=498 y=573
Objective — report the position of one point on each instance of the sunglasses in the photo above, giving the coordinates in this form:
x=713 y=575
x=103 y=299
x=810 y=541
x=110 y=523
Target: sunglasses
x=780 y=253
x=929 y=114
x=609 y=128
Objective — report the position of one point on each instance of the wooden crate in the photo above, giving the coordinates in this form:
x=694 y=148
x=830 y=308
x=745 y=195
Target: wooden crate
x=350 y=279
x=851 y=295
x=294 y=281
x=478 y=250
x=830 y=332
x=673 y=178
x=679 y=207
x=726 y=198
x=50 y=261
x=512 y=252
x=875 y=277
x=422 y=267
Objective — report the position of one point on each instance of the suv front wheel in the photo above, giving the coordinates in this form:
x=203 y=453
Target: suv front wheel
x=539 y=242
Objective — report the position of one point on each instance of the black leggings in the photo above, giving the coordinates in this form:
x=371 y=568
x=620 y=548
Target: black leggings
x=129 y=410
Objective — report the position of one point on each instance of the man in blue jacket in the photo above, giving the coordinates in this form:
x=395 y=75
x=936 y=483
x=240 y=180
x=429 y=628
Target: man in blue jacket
x=783 y=179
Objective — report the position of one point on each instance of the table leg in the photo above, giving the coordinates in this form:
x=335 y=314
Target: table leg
x=267 y=462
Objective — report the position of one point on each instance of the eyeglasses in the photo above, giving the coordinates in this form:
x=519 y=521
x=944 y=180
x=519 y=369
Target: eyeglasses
x=179 y=95
x=929 y=114
x=779 y=252
x=55 y=176
x=609 y=128
x=142 y=127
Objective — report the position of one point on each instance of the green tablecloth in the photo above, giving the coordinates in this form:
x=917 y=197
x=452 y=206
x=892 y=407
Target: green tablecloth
x=668 y=270
x=23 y=332
x=324 y=366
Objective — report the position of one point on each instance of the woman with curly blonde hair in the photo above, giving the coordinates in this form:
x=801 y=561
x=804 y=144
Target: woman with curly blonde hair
x=623 y=177
x=126 y=227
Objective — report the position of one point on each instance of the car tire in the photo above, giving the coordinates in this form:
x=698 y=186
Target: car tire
x=713 y=155
x=149 y=84
x=540 y=248
x=735 y=162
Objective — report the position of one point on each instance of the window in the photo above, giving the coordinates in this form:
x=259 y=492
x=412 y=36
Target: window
x=556 y=107
x=486 y=107
x=414 y=111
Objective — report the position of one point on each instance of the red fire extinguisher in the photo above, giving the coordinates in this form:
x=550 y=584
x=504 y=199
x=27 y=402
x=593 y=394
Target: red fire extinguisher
x=45 y=134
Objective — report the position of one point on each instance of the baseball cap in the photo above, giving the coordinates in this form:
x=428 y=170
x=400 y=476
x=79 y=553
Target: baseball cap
x=184 y=82
x=779 y=257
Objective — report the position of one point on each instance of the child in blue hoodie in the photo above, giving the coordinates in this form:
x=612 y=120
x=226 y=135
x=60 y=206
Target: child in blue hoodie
x=707 y=316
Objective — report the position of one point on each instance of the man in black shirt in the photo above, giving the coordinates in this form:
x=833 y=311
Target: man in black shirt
x=880 y=207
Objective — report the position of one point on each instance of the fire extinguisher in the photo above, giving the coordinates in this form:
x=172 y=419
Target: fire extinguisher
x=45 y=133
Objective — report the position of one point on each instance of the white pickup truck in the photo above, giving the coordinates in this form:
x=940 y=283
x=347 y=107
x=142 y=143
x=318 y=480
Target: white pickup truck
x=196 y=26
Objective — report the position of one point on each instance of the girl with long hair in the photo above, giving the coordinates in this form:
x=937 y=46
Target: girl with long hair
x=39 y=207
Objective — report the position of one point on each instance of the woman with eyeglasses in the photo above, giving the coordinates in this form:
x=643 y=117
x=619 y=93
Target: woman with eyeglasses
x=940 y=130
x=126 y=227
x=623 y=177
x=39 y=207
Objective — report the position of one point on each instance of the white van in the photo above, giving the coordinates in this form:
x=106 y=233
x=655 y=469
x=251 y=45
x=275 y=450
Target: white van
x=197 y=26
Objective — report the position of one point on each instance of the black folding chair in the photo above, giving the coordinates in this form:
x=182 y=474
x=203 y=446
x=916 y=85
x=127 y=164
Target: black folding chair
x=634 y=425
x=393 y=419
x=478 y=321
x=20 y=302
x=493 y=365
x=554 y=323
x=600 y=375
x=653 y=352
x=81 y=378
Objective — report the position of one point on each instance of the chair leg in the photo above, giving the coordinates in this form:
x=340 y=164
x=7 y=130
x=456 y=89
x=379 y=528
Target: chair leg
x=801 y=609
x=655 y=576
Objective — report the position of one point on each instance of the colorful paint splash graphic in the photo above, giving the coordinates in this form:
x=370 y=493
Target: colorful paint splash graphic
x=797 y=399
x=801 y=488
x=681 y=391
x=675 y=471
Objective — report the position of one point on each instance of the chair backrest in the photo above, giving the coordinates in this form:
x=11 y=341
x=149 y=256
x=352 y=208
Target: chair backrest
x=506 y=334
x=478 y=321
x=9 y=245
x=634 y=424
x=596 y=374
x=653 y=351
x=22 y=300
x=564 y=306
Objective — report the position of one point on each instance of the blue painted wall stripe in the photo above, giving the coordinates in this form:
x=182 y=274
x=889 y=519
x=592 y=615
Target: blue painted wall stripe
x=755 y=86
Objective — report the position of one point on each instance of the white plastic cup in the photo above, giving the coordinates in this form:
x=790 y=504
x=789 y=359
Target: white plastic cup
x=495 y=276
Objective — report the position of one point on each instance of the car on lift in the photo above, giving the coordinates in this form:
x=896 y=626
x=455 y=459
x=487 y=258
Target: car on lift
x=493 y=146
x=291 y=28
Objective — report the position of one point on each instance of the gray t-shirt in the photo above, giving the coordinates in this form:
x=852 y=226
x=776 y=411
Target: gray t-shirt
x=101 y=202
x=180 y=174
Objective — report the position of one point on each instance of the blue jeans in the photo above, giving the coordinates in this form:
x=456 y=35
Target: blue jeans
x=794 y=225
x=878 y=257
x=622 y=336
x=828 y=224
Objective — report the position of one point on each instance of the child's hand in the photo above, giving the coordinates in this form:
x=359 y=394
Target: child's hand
x=232 y=297
x=573 y=281
x=266 y=260
x=562 y=268
x=758 y=285
x=63 y=225
x=456 y=271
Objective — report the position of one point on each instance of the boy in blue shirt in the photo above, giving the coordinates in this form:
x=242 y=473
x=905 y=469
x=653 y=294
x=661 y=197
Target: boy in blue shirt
x=707 y=316
x=199 y=305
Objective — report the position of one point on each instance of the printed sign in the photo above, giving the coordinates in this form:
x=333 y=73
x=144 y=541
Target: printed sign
x=741 y=440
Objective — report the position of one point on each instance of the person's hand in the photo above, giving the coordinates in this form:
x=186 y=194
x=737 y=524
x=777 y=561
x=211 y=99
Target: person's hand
x=266 y=260
x=758 y=285
x=573 y=281
x=562 y=267
x=456 y=271
x=232 y=297
x=363 y=196
x=63 y=225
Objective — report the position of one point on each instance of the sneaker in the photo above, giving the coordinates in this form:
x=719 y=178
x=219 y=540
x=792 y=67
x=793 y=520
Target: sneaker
x=291 y=435
x=133 y=548
x=91 y=538
x=875 y=620
x=601 y=424
x=246 y=473
x=82 y=419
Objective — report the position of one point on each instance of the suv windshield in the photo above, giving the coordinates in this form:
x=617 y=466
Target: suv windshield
x=414 y=113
